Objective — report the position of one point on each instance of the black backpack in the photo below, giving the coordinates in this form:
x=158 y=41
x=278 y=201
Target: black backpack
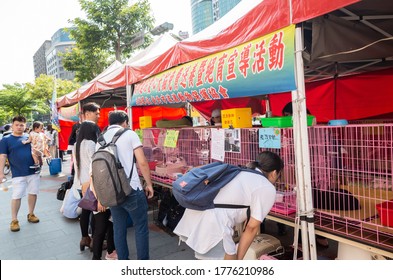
x=111 y=183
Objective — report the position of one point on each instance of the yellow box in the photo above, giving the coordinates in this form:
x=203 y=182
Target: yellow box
x=145 y=122
x=236 y=118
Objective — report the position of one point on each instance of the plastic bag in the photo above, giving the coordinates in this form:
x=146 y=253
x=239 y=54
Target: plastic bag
x=70 y=206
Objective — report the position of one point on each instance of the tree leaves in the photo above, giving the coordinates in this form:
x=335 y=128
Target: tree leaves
x=105 y=35
x=25 y=99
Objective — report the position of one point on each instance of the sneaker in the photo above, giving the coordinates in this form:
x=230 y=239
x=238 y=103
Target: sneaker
x=15 y=226
x=111 y=256
x=37 y=170
x=32 y=218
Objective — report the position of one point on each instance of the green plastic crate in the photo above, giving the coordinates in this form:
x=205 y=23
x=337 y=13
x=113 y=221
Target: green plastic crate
x=283 y=121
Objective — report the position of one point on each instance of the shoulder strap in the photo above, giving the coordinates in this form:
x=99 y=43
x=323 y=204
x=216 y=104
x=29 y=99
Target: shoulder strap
x=101 y=139
x=118 y=134
x=132 y=168
x=234 y=206
x=114 y=139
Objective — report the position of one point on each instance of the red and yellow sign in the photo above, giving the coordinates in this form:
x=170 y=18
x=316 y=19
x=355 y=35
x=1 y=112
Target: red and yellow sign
x=261 y=66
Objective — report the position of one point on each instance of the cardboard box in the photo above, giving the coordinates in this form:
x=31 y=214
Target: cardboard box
x=236 y=118
x=145 y=122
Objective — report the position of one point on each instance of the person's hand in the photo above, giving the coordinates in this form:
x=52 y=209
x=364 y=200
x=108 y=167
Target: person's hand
x=149 y=191
x=100 y=208
x=2 y=178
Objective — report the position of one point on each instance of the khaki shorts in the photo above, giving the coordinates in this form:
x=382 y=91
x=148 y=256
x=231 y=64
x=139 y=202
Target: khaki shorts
x=25 y=185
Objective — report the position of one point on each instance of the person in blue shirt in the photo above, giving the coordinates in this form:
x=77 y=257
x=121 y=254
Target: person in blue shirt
x=24 y=179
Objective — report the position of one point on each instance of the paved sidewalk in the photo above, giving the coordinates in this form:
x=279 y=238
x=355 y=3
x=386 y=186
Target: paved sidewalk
x=56 y=237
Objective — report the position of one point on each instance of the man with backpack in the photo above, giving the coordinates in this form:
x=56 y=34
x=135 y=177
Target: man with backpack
x=129 y=147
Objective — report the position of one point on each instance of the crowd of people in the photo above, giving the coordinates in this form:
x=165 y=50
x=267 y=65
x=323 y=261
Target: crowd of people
x=106 y=228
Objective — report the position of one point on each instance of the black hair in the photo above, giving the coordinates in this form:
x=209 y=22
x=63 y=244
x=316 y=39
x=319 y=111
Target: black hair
x=7 y=127
x=37 y=124
x=49 y=128
x=188 y=118
x=289 y=109
x=118 y=117
x=19 y=119
x=90 y=107
x=87 y=131
x=267 y=162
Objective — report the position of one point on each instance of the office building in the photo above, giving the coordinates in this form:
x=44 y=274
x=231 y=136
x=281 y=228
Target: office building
x=206 y=12
x=39 y=59
x=61 y=43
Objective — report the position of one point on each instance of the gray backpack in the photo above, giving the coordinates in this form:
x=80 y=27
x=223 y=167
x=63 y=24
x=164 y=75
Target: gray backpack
x=111 y=183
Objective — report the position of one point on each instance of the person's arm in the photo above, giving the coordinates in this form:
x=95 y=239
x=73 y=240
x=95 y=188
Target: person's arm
x=100 y=207
x=87 y=151
x=247 y=237
x=56 y=139
x=145 y=170
x=47 y=138
x=3 y=157
x=28 y=140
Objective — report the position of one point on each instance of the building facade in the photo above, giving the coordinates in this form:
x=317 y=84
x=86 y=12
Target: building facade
x=61 y=43
x=206 y=12
x=39 y=59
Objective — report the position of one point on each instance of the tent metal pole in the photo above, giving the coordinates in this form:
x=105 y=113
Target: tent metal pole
x=128 y=95
x=129 y=108
x=302 y=155
x=367 y=23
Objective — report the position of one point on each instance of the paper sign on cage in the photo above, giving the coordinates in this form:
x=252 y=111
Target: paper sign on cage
x=217 y=148
x=171 y=138
x=232 y=140
x=270 y=138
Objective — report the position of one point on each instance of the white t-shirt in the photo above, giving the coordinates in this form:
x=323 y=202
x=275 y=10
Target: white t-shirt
x=126 y=145
x=86 y=150
x=202 y=230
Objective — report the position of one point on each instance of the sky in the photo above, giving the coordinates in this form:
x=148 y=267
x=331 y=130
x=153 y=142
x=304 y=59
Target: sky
x=26 y=24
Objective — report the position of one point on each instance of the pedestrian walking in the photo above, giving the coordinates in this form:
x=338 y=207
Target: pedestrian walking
x=24 y=179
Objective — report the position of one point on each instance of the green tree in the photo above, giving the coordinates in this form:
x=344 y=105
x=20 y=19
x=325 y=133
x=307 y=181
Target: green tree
x=86 y=64
x=105 y=35
x=16 y=100
x=42 y=88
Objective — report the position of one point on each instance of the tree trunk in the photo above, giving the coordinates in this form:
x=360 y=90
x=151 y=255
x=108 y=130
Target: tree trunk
x=118 y=51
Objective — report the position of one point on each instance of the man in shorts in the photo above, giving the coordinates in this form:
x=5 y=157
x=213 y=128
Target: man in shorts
x=24 y=179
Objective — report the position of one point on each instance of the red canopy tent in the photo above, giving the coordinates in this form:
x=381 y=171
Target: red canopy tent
x=259 y=18
x=112 y=77
x=270 y=16
x=262 y=18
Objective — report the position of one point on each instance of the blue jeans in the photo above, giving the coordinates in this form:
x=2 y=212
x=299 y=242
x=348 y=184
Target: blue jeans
x=135 y=206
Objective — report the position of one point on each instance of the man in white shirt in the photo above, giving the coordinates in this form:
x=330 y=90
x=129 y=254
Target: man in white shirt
x=135 y=205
